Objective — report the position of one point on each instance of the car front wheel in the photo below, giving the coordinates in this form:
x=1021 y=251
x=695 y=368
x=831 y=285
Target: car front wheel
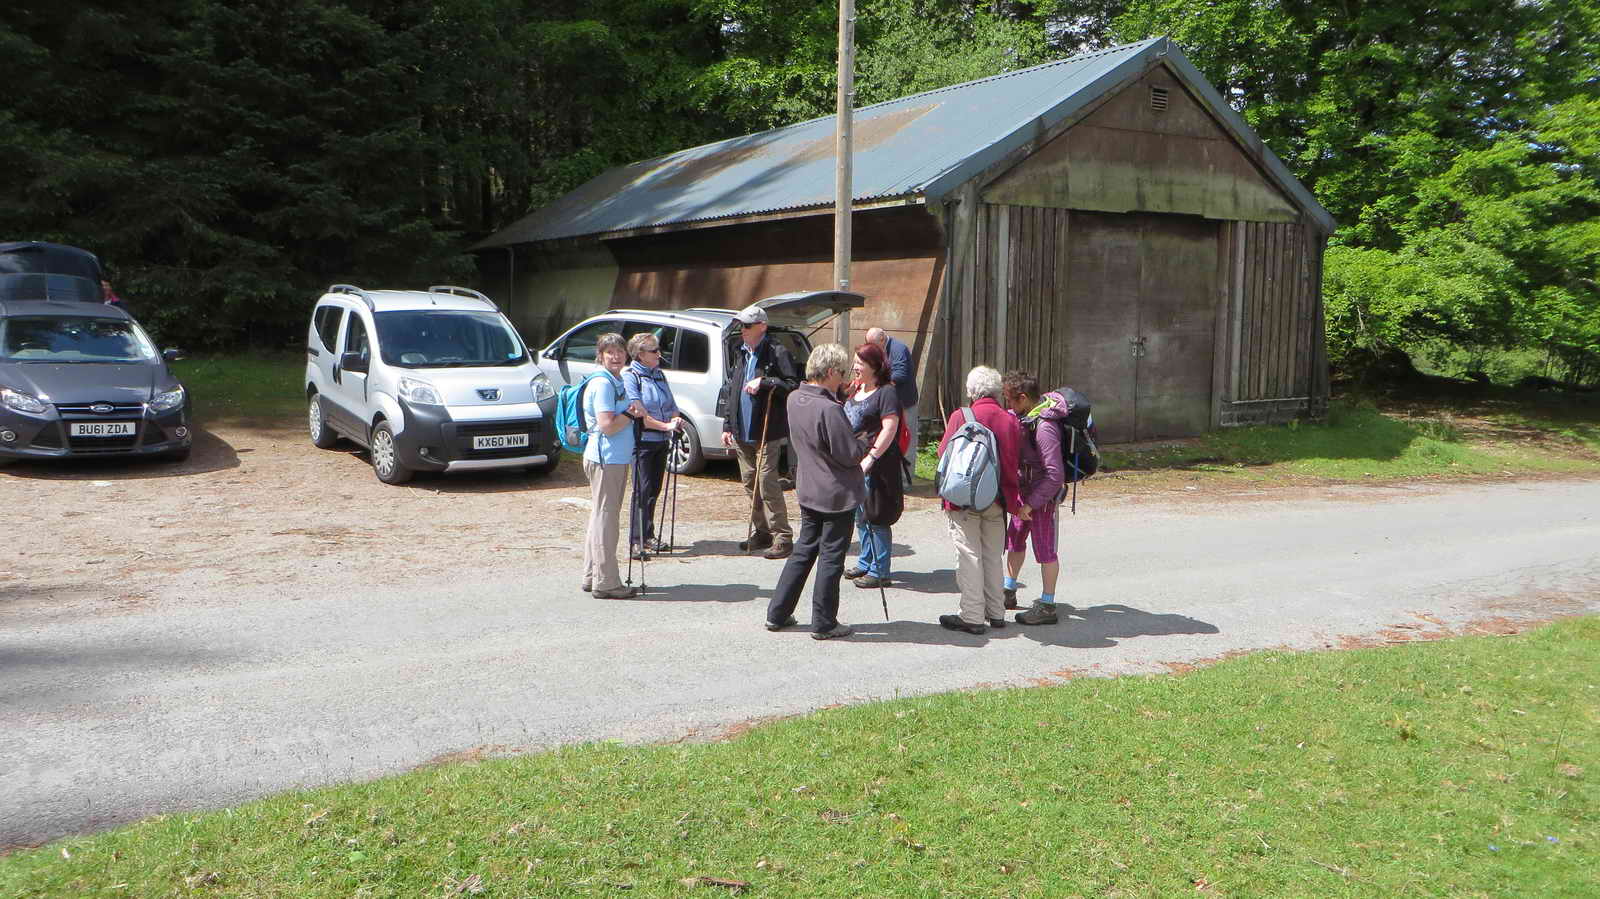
x=687 y=456
x=386 y=456
x=322 y=436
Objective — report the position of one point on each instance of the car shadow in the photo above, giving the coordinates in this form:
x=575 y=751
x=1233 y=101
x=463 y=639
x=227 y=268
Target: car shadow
x=568 y=474
x=1102 y=627
x=210 y=453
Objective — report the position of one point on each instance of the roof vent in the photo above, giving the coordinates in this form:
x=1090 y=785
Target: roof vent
x=1158 y=99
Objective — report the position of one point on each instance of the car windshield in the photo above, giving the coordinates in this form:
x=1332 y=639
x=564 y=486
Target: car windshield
x=73 y=338
x=426 y=338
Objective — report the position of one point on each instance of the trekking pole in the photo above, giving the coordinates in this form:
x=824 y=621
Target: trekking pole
x=672 y=538
x=668 y=483
x=755 y=481
x=633 y=522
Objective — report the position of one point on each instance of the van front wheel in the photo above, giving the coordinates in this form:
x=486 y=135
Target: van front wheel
x=386 y=456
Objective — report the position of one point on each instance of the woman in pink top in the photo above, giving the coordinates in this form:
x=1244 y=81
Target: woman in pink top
x=979 y=534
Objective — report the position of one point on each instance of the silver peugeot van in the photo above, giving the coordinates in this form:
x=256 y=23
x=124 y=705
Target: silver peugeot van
x=426 y=380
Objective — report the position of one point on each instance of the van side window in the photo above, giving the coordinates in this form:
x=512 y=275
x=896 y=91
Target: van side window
x=355 y=338
x=579 y=345
x=693 y=352
x=327 y=319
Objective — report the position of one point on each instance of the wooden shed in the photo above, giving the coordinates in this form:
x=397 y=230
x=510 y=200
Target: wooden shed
x=1106 y=221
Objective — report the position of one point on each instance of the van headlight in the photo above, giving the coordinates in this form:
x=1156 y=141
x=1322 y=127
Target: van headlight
x=542 y=389
x=416 y=390
x=21 y=402
x=167 y=400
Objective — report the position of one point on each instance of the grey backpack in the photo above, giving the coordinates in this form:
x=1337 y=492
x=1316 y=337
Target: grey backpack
x=969 y=467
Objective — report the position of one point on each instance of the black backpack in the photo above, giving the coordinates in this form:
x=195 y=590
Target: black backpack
x=1080 y=452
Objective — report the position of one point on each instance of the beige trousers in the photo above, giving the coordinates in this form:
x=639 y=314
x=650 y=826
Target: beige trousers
x=771 y=515
x=980 y=539
x=607 y=484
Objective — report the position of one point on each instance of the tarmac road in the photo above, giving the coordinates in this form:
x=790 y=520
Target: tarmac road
x=105 y=719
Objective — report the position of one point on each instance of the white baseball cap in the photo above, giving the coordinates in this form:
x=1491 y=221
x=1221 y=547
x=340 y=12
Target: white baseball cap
x=751 y=315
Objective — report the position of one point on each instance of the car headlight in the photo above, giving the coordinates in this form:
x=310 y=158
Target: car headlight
x=542 y=389
x=21 y=402
x=416 y=390
x=167 y=400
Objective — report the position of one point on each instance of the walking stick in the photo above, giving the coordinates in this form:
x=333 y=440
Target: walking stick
x=883 y=595
x=761 y=464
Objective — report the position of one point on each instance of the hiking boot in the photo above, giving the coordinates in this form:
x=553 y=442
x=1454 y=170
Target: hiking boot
x=1040 y=613
x=656 y=546
x=617 y=593
x=997 y=623
x=780 y=625
x=838 y=630
x=854 y=571
x=756 y=541
x=779 y=550
x=871 y=580
x=588 y=585
x=1011 y=597
x=954 y=623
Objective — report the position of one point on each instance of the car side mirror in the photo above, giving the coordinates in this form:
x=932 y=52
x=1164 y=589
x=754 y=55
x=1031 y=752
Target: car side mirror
x=356 y=362
x=172 y=354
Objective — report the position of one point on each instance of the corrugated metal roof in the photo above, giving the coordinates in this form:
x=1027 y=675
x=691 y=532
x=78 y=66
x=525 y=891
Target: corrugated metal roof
x=920 y=146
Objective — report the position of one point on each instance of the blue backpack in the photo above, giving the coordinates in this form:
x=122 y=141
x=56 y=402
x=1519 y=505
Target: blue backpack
x=571 y=424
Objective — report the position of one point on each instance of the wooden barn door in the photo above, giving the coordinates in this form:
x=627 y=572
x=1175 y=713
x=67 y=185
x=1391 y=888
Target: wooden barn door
x=1140 y=320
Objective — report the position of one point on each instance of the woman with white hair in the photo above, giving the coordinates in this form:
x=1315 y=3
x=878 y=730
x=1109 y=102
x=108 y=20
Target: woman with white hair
x=828 y=486
x=980 y=534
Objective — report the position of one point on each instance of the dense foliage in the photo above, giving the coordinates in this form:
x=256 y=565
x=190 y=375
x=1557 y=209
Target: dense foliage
x=227 y=160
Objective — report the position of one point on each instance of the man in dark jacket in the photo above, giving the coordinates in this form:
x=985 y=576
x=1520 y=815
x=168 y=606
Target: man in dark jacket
x=828 y=487
x=903 y=374
x=755 y=425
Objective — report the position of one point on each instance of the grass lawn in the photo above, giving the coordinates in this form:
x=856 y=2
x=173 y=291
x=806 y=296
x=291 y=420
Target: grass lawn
x=1465 y=767
x=248 y=390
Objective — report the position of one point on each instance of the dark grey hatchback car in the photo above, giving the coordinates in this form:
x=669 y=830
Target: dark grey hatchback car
x=83 y=379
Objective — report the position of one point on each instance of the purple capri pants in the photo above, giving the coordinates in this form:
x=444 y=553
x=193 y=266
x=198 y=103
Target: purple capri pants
x=1042 y=527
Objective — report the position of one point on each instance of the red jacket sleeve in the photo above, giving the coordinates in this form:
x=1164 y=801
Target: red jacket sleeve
x=1008 y=434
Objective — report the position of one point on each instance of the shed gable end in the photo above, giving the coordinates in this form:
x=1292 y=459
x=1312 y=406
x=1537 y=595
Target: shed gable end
x=1151 y=147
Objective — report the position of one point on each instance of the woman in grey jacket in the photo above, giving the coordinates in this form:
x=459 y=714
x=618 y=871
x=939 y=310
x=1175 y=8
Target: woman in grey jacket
x=828 y=487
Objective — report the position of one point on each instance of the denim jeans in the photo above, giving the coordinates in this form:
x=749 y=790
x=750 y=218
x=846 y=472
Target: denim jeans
x=876 y=544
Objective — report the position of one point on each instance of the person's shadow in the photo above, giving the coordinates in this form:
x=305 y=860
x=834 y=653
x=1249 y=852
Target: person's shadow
x=674 y=592
x=1102 y=627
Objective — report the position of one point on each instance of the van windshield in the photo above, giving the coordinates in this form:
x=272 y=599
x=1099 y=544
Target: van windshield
x=447 y=338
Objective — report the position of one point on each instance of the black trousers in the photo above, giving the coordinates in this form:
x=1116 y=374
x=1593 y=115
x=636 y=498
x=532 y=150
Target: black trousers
x=823 y=540
x=649 y=470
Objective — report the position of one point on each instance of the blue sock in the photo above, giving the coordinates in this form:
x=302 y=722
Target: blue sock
x=1048 y=599
x=1011 y=583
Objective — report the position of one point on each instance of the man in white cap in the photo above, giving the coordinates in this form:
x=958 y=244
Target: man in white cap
x=755 y=425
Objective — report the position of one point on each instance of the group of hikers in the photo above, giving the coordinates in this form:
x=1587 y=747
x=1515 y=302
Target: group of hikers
x=848 y=421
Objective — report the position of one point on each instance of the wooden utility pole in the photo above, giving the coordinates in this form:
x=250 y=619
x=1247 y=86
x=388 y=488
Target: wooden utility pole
x=842 y=190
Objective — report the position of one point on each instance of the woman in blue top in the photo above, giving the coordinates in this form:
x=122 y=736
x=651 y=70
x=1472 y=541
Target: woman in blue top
x=646 y=385
x=610 y=418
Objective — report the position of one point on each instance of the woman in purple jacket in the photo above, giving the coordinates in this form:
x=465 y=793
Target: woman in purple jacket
x=1042 y=476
